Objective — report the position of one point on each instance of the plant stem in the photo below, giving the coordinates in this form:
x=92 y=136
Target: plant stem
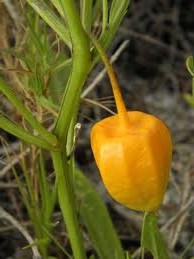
x=63 y=171
x=112 y=76
x=67 y=203
x=142 y=231
x=80 y=69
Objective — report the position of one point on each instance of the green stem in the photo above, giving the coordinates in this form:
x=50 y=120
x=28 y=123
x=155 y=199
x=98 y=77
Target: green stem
x=20 y=133
x=44 y=184
x=46 y=135
x=193 y=86
x=80 y=69
x=67 y=203
x=46 y=191
x=142 y=234
x=63 y=171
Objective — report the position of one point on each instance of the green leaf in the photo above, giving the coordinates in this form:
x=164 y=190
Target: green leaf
x=58 y=83
x=151 y=238
x=190 y=65
x=189 y=99
x=35 y=83
x=97 y=220
x=33 y=39
x=96 y=10
x=86 y=14
x=58 y=6
x=19 y=132
x=127 y=255
x=45 y=135
x=37 y=243
x=51 y=19
x=117 y=11
x=104 y=15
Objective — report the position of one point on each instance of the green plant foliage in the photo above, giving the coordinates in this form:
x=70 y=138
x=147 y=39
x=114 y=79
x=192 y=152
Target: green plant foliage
x=189 y=98
x=111 y=19
x=190 y=65
x=151 y=238
x=47 y=136
x=50 y=18
x=104 y=15
x=128 y=256
x=86 y=14
x=97 y=220
x=117 y=11
x=54 y=69
x=58 y=82
x=116 y=14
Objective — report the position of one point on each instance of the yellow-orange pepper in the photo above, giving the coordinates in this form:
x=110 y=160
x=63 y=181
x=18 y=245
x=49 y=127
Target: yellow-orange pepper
x=133 y=151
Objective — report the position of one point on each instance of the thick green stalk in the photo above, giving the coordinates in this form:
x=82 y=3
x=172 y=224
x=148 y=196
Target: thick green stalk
x=67 y=203
x=80 y=69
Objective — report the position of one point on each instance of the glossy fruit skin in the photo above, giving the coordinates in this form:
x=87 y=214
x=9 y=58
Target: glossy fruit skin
x=134 y=161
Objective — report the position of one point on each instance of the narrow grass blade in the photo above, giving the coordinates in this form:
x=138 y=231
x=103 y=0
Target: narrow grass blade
x=19 y=132
x=151 y=238
x=117 y=11
x=86 y=14
x=97 y=220
x=104 y=15
x=58 y=6
x=46 y=135
x=51 y=19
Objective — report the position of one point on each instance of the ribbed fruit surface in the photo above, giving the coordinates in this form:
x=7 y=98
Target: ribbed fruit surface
x=134 y=161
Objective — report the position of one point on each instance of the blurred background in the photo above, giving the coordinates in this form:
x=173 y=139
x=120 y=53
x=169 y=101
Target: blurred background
x=149 y=52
